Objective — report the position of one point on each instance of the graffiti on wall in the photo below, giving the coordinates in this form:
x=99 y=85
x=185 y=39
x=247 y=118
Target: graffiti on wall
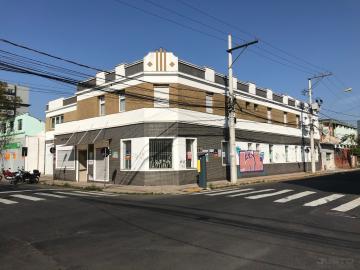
x=251 y=161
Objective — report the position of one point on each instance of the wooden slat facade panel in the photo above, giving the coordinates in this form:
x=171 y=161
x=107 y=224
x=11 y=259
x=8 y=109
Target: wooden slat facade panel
x=141 y=96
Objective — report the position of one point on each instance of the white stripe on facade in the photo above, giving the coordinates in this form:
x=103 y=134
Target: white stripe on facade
x=268 y=194
x=6 y=201
x=229 y=192
x=26 y=197
x=251 y=192
x=324 y=200
x=295 y=196
x=348 y=206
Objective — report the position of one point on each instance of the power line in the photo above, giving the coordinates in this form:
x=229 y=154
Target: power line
x=248 y=33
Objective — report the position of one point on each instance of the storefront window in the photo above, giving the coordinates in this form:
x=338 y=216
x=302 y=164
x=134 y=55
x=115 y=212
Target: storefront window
x=160 y=153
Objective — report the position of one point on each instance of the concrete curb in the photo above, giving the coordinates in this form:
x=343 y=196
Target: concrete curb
x=188 y=189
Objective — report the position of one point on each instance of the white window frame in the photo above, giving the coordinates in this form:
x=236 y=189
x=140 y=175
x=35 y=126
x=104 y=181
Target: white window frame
x=161 y=97
x=209 y=102
x=285 y=118
x=122 y=98
x=271 y=153
x=194 y=153
x=287 y=153
x=269 y=115
x=172 y=153
x=122 y=155
x=250 y=146
x=102 y=103
x=56 y=120
x=65 y=148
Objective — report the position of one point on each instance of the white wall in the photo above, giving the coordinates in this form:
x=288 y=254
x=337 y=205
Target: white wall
x=35 y=158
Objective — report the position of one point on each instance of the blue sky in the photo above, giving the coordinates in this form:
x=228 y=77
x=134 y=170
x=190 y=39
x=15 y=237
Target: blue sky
x=106 y=33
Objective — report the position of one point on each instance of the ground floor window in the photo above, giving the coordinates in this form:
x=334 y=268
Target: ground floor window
x=126 y=155
x=271 y=153
x=65 y=157
x=160 y=153
x=190 y=153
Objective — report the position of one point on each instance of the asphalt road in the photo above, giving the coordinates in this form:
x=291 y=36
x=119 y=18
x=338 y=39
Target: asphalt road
x=304 y=224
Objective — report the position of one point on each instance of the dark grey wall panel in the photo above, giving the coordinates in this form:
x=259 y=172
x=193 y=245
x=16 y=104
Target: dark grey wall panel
x=133 y=69
x=190 y=70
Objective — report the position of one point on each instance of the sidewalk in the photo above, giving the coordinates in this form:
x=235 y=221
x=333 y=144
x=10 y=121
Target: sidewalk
x=183 y=189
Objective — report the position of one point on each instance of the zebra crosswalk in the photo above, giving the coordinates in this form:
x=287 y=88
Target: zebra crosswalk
x=308 y=198
x=12 y=198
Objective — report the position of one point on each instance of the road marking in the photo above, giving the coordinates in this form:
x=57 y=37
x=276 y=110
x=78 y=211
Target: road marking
x=50 y=195
x=26 y=197
x=251 y=192
x=295 y=196
x=96 y=193
x=229 y=192
x=348 y=206
x=75 y=194
x=211 y=191
x=5 y=201
x=269 y=194
x=324 y=200
x=28 y=190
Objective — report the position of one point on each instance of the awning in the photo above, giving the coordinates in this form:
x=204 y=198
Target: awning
x=86 y=137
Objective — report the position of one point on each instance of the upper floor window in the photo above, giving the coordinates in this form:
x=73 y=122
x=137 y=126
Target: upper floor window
x=161 y=97
x=285 y=118
x=19 y=124
x=102 y=105
x=209 y=103
x=57 y=120
x=256 y=107
x=11 y=125
x=247 y=105
x=122 y=102
x=298 y=121
x=286 y=153
x=269 y=115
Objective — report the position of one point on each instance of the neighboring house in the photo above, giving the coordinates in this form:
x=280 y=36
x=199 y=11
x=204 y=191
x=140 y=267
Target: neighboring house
x=24 y=147
x=158 y=114
x=335 y=151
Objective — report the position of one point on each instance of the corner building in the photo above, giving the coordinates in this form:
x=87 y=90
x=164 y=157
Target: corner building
x=158 y=114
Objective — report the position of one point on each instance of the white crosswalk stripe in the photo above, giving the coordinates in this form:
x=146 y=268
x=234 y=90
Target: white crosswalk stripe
x=27 y=197
x=295 y=196
x=6 y=201
x=268 y=194
x=251 y=192
x=324 y=200
x=50 y=195
x=77 y=194
x=348 y=206
x=96 y=193
x=229 y=192
x=211 y=191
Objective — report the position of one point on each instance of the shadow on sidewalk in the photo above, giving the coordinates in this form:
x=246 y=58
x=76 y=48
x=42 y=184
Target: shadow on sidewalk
x=341 y=182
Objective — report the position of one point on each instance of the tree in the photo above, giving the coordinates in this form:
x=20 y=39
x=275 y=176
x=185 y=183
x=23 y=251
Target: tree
x=8 y=105
x=354 y=143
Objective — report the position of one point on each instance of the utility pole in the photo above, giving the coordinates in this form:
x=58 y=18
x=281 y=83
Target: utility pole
x=231 y=108
x=311 y=111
